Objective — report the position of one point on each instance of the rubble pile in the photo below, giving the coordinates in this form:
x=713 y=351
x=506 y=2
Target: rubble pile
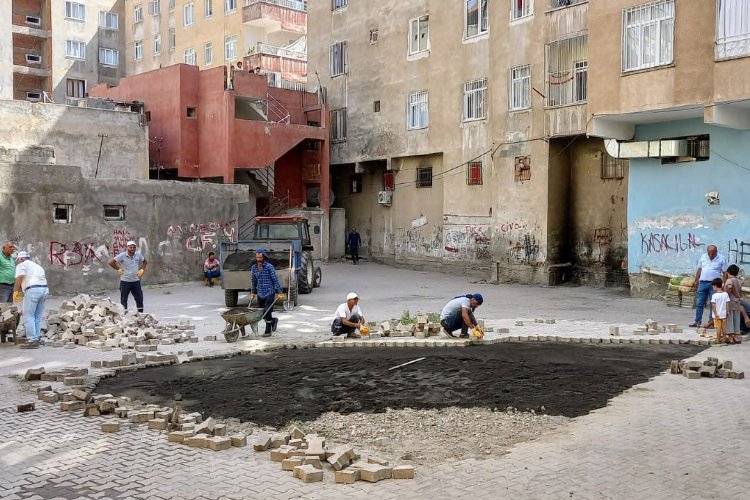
x=306 y=456
x=9 y=314
x=419 y=326
x=710 y=368
x=101 y=324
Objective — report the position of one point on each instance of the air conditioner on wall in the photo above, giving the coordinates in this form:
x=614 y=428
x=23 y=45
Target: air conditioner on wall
x=385 y=197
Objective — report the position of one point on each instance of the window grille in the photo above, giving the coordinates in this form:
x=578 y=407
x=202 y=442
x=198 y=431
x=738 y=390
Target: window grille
x=424 y=177
x=474 y=173
x=417 y=110
x=648 y=35
x=520 y=88
x=475 y=99
x=567 y=71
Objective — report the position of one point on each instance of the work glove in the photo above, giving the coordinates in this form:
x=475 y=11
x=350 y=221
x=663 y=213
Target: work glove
x=120 y=271
x=139 y=273
x=280 y=296
x=17 y=296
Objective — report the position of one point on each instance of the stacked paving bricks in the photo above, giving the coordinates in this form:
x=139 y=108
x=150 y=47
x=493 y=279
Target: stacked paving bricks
x=306 y=456
x=711 y=368
x=101 y=324
x=651 y=327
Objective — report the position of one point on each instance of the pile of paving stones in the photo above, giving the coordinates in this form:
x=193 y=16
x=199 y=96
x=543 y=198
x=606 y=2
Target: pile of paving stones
x=650 y=327
x=710 y=368
x=101 y=324
x=305 y=455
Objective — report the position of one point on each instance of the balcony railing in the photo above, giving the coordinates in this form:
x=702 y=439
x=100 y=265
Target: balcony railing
x=556 y=4
x=289 y=4
x=275 y=80
x=264 y=48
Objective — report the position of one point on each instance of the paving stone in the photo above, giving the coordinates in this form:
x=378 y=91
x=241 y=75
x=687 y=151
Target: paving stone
x=91 y=410
x=34 y=374
x=111 y=427
x=372 y=473
x=280 y=453
x=72 y=405
x=403 y=472
x=179 y=436
x=219 y=443
x=308 y=473
x=288 y=464
x=262 y=443
x=157 y=424
x=347 y=476
x=25 y=407
x=238 y=440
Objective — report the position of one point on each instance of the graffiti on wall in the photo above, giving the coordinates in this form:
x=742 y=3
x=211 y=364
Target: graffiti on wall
x=198 y=237
x=738 y=252
x=471 y=241
x=653 y=242
x=419 y=241
x=524 y=251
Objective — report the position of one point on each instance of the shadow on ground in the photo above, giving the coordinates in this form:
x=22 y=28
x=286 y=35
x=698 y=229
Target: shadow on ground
x=275 y=388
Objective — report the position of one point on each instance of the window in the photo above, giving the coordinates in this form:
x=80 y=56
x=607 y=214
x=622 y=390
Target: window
x=138 y=50
x=474 y=173
x=474 y=99
x=419 y=34
x=157 y=44
x=520 y=88
x=33 y=96
x=62 y=214
x=355 y=186
x=567 y=71
x=114 y=212
x=172 y=39
x=189 y=56
x=33 y=59
x=109 y=20
x=109 y=57
x=389 y=181
x=191 y=112
x=476 y=17
x=522 y=169
x=208 y=8
x=337 y=4
x=187 y=14
x=33 y=20
x=338 y=125
x=373 y=36
x=732 y=28
x=75 y=49
x=647 y=35
x=424 y=177
x=75 y=88
x=138 y=14
x=417 y=115
x=171 y=4
x=520 y=8
x=376 y=106
x=613 y=168
x=75 y=11
x=230 y=47
x=155 y=7
x=338 y=58
x=208 y=54
x=230 y=5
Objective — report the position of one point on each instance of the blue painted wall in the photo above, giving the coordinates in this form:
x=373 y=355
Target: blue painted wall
x=670 y=224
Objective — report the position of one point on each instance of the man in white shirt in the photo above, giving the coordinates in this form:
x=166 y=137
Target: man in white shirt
x=711 y=265
x=130 y=265
x=31 y=284
x=348 y=317
x=459 y=314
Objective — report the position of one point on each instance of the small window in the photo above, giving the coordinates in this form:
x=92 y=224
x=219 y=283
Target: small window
x=419 y=35
x=154 y=7
x=62 y=214
x=157 y=44
x=189 y=57
x=356 y=183
x=192 y=112
x=75 y=49
x=208 y=54
x=648 y=35
x=109 y=57
x=520 y=8
x=522 y=169
x=373 y=36
x=33 y=96
x=338 y=125
x=33 y=59
x=417 y=110
x=474 y=173
x=114 y=212
x=138 y=14
x=475 y=99
x=338 y=58
x=208 y=8
x=33 y=20
x=172 y=39
x=147 y=116
x=520 y=88
x=75 y=88
x=613 y=168
x=75 y=11
x=476 y=17
x=389 y=182
x=188 y=14
x=230 y=5
x=109 y=20
x=376 y=106
x=424 y=177
x=338 y=4
x=230 y=47
x=171 y=4
x=138 y=49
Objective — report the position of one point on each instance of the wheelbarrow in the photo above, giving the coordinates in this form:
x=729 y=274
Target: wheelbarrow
x=238 y=318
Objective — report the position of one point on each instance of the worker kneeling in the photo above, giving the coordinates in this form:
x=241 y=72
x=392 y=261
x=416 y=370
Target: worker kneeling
x=348 y=318
x=459 y=314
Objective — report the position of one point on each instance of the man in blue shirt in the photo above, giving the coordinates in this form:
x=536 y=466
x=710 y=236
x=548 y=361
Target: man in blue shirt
x=265 y=287
x=130 y=265
x=711 y=265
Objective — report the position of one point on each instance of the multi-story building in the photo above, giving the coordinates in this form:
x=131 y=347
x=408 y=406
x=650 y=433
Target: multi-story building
x=58 y=48
x=265 y=34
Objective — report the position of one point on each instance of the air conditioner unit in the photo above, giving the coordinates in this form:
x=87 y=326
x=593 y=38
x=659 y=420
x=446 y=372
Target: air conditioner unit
x=385 y=197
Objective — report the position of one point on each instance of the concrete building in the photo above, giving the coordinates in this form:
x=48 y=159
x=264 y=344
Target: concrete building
x=266 y=34
x=232 y=127
x=55 y=50
x=685 y=91
x=458 y=137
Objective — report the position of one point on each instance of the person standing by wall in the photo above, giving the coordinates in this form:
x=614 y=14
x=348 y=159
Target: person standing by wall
x=265 y=287
x=131 y=265
x=711 y=265
x=7 y=272
x=354 y=242
x=31 y=284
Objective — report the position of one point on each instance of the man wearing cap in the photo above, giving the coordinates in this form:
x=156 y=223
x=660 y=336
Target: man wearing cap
x=31 y=284
x=7 y=272
x=348 y=317
x=459 y=314
x=131 y=265
x=265 y=287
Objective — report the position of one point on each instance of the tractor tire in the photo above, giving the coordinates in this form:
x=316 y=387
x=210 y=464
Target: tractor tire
x=306 y=273
x=293 y=296
x=230 y=298
x=318 y=277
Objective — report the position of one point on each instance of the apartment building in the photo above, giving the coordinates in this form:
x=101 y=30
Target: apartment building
x=671 y=94
x=458 y=137
x=55 y=50
x=265 y=34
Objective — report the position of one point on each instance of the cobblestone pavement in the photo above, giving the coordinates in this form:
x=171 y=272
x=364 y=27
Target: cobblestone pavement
x=668 y=438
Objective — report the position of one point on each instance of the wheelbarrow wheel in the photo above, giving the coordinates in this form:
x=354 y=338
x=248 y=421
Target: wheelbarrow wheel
x=231 y=333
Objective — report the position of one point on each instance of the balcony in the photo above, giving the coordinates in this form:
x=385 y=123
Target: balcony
x=559 y=4
x=283 y=66
x=276 y=15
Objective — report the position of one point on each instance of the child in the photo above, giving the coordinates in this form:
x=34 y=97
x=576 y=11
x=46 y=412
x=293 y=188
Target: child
x=719 y=303
x=734 y=288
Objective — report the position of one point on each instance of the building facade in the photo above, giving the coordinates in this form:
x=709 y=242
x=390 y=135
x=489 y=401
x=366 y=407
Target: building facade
x=54 y=50
x=458 y=137
x=265 y=34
